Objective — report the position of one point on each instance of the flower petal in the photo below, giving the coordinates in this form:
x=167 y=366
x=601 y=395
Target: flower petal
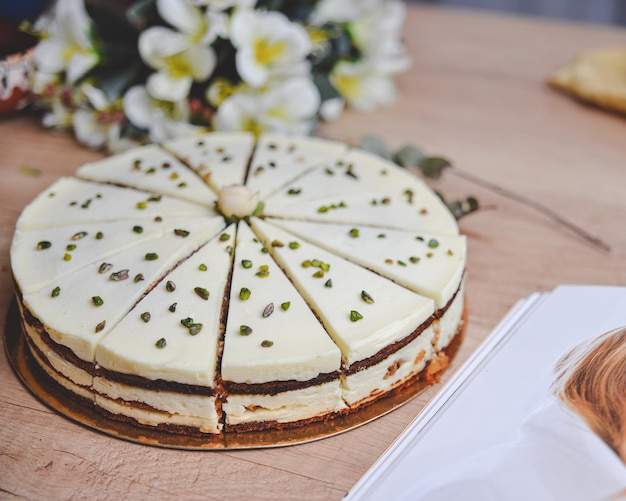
x=163 y=86
x=79 y=64
x=182 y=15
x=137 y=106
x=158 y=43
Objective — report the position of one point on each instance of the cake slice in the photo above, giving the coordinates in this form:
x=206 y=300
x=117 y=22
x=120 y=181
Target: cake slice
x=171 y=338
x=40 y=257
x=105 y=292
x=432 y=265
x=362 y=189
x=369 y=317
x=278 y=364
x=150 y=168
x=221 y=159
x=74 y=201
x=279 y=159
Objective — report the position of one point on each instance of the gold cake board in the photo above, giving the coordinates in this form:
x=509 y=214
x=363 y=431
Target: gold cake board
x=52 y=394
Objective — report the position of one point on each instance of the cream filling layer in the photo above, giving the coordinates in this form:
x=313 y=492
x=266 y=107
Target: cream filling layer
x=63 y=381
x=155 y=418
x=285 y=407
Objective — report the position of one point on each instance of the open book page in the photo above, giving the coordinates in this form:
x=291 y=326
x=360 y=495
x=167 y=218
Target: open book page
x=495 y=431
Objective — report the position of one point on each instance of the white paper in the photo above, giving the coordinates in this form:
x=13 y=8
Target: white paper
x=469 y=435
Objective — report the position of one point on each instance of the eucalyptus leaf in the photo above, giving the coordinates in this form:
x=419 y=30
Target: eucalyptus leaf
x=324 y=87
x=142 y=14
x=376 y=145
x=409 y=156
x=463 y=207
x=432 y=167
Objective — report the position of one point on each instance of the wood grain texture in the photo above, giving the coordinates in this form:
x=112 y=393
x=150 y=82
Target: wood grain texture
x=476 y=94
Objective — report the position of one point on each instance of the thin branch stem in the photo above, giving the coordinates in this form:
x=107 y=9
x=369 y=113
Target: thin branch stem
x=532 y=204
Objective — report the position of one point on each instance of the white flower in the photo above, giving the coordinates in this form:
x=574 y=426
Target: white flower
x=68 y=46
x=180 y=57
x=237 y=201
x=268 y=45
x=362 y=85
x=377 y=35
x=288 y=106
x=342 y=11
x=98 y=124
x=332 y=108
x=221 y=5
x=162 y=119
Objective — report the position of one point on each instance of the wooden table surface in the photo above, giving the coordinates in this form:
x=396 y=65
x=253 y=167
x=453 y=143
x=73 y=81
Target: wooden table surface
x=476 y=94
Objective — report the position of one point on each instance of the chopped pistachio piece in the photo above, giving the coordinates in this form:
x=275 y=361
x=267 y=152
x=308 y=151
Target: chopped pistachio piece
x=355 y=316
x=266 y=343
x=285 y=306
x=244 y=330
x=161 y=343
x=244 y=293
x=366 y=297
x=268 y=310
x=151 y=256
x=97 y=300
x=56 y=291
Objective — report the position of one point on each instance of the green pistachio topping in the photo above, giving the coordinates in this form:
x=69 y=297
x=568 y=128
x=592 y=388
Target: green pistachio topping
x=104 y=267
x=154 y=198
x=285 y=306
x=244 y=330
x=138 y=229
x=151 y=256
x=366 y=297
x=354 y=232
x=86 y=204
x=151 y=170
x=382 y=235
x=67 y=257
x=194 y=329
x=224 y=237
x=329 y=283
x=56 y=291
x=433 y=244
x=322 y=209
x=414 y=259
x=294 y=245
x=450 y=253
x=145 y=316
x=244 y=293
x=100 y=326
x=294 y=191
x=266 y=343
x=172 y=307
x=99 y=235
x=202 y=293
x=268 y=310
x=161 y=343
x=246 y=263
x=401 y=263
x=142 y=205
x=277 y=243
x=318 y=274
x=170 y=286
x=429 y=254
x=119 y=275
x=355 y=316
x=181 y=233
x=202 y=267
x=97 y=300
x=138 y=277
x=70 y=247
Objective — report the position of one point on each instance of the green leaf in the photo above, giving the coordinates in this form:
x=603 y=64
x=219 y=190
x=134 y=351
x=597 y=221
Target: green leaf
x=142 y=14
x=433 y=166
x=376 y=145
x=463 y=207
x=324 y=87
x=408 y=156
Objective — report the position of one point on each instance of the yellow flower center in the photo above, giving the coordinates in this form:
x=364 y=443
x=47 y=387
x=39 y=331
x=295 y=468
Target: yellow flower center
x=348 y=86
x=251 y=125
x=178 y=66
x=266 y=52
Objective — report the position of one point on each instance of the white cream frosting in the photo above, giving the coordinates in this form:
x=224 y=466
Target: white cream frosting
x=431 y=265
x=150 y=168
x=279 y=159
x=74 y=201
x=300 y=347
x=131 y=346
x=219 y=158
x=84 y=244
x=394 y=313
x=363 y=189
x=80 y=332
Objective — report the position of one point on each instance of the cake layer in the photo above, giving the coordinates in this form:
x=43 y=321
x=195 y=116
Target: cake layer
x=309 y=403
x=271 y=334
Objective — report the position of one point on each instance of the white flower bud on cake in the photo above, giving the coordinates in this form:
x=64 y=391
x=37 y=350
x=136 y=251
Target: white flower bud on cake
x=237 y=201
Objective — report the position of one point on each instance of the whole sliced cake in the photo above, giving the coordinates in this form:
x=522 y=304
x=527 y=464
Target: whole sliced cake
x=217 y=283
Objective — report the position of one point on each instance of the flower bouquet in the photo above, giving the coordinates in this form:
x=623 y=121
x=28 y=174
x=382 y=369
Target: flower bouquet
x=125 y=73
